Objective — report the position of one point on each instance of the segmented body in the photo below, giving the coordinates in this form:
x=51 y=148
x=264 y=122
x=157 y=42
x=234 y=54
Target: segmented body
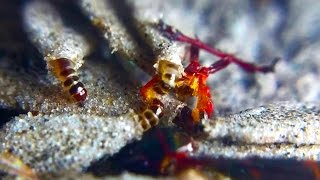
x=62 y=48
x=153 y=111
x=63 y=70
x=192 y=82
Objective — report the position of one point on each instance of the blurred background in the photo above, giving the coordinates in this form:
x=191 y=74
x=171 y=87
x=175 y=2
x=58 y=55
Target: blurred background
x=254 y=30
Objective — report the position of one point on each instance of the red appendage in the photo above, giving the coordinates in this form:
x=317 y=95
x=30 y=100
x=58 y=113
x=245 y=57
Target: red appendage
x=194 y=69
x=176 y=35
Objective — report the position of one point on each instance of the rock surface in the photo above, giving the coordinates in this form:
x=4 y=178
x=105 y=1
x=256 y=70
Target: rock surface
x=284 y=130
x=275 y=123
x=67 y=141
x=52 y=134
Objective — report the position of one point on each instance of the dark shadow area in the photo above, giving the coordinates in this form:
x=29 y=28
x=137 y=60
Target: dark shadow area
x=125 y=13
x=16 y=51
x=7 y=114
x=142 y=157
x=158 y=154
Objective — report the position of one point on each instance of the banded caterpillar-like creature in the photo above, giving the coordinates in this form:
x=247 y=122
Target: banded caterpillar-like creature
x=192 y=82
x=62 y=68
x=62 y=47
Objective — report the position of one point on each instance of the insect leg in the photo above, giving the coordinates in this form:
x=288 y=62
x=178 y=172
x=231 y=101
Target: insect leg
x=194 y=65
x=248 y=67
x=217 y=66
x=176 y=35
x=194 y=53
x=197 y=81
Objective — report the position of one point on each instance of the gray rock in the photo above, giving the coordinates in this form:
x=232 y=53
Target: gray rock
x=287 y=122
x=283 y=130
x=58 y=135
x=52 y=143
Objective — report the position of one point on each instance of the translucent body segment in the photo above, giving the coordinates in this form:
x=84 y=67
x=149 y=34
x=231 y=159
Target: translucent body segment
x=150 y=116
x=154 y=89
x=52 y=38
x=62 y=47
x=63 y=70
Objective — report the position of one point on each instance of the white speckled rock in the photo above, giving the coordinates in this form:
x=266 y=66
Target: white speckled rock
x=217 y=148
x=288 y=122
x=52 y=143
x=66 y=136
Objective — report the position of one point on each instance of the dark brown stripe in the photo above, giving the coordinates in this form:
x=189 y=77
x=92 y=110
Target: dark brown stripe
x=165 y=86
x=78 y=92
x=154 y=121
x=75 y=88
x=69 y=81
x=67 y=72
x=144 y=123
x=63 y=63
x=148 y=114
x=161 y=88
x=168 y=76
x=171 y=65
